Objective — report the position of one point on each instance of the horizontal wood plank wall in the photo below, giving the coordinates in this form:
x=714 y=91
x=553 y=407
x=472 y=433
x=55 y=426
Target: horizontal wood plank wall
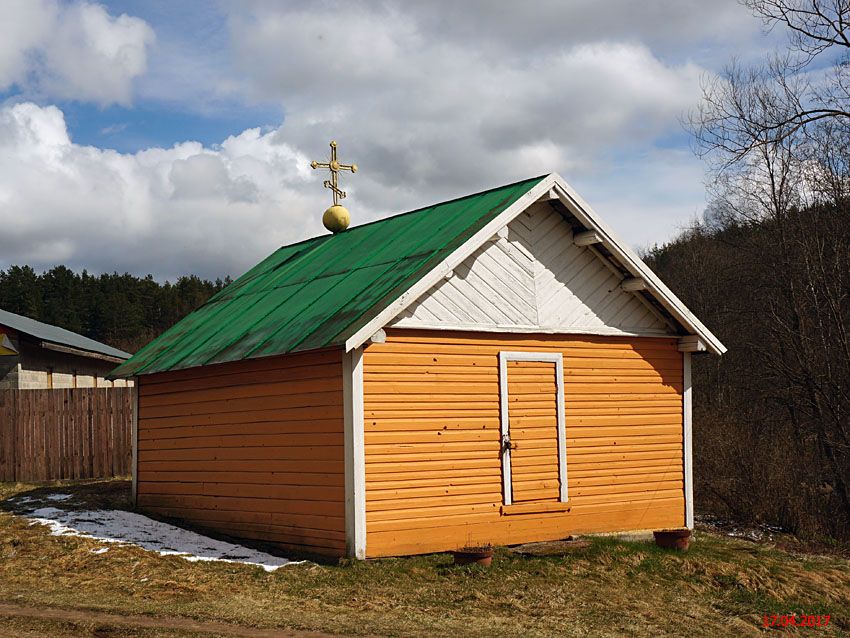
x=431 y=419
x=253 y=449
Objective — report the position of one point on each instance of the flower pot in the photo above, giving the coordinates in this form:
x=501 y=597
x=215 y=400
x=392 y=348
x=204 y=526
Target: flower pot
x=474 y=555
x=678 y=539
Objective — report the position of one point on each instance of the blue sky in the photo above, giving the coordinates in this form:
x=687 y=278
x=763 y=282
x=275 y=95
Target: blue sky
x=172 y=138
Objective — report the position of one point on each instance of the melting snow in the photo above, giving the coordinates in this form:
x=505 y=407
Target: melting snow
x=118 y=526
x=58 y=497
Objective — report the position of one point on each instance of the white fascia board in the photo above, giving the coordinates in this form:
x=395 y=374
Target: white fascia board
x=587 y=216
x=451 y=262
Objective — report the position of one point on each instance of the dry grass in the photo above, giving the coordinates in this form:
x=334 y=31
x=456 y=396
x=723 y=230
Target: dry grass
x=722 y=587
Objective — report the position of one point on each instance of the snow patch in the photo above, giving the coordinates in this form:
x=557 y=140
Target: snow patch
x=58 y=497
x=129 y=528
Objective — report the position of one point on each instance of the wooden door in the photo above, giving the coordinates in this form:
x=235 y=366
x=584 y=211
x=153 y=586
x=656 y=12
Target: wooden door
x=533 y=451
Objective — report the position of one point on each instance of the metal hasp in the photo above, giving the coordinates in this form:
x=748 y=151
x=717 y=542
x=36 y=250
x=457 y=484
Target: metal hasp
x=336 y=218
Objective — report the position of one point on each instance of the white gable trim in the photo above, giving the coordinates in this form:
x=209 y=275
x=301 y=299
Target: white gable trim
x=585 y=214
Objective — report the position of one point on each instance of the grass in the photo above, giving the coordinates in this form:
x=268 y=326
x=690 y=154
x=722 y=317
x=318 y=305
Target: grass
x=721 y=587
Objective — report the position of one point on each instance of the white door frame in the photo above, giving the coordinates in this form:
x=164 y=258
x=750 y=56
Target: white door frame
x=547 y=357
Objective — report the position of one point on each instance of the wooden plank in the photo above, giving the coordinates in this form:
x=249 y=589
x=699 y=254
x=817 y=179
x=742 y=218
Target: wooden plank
x=277 y=388
x=263 y=365
x=243 y=440
x=211 y=508
x=306 y=493
x=241 y=476
x=235 y=379
x=242 y=465
x=277 y=402
x=248 y=416
x=317 y=454
x=315 y=510
x=317 y=426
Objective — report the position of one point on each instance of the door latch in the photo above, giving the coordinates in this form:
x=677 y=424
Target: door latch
x=507 y=444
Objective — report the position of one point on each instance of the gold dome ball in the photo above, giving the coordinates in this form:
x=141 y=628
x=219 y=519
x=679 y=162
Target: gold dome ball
x=336 y=218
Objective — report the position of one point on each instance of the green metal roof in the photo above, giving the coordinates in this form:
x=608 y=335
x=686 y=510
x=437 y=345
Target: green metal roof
x=318 y=292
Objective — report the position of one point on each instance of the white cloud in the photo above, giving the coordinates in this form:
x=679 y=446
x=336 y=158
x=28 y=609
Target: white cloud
x=216 y=211
x=428 y=116
x=432 y=100
x=72 y=51
x=164 y=211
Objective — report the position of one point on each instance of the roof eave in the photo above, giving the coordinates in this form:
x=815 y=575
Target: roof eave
x=584 y=213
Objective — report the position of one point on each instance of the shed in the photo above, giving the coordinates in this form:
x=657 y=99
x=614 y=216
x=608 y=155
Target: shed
x=38 y=356
x=498 y=368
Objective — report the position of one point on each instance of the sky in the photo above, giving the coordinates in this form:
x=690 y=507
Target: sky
x=175 y=137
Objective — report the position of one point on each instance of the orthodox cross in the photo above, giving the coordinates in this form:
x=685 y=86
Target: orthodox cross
x=335 y=167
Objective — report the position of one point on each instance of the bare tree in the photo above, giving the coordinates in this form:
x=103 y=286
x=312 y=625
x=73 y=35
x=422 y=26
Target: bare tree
x=786 y=96
x=776 y=138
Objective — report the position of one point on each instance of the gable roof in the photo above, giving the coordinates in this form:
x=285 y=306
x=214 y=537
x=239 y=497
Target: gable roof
x=340 y=289
x=58 y=336
x=318 y=292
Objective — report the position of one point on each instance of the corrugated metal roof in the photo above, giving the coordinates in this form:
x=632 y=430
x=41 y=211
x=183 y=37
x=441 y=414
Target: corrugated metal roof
x=316 y=293
x=54 y=334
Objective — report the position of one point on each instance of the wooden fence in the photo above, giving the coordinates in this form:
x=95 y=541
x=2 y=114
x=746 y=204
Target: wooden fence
x=65 y=434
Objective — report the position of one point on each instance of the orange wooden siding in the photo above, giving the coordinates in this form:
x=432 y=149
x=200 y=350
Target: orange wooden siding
x=432 y=428
x=253 y=449
x=533 y=415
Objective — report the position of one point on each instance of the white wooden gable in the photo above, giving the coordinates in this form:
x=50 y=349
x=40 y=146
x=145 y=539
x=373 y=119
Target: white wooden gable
x=533 y=278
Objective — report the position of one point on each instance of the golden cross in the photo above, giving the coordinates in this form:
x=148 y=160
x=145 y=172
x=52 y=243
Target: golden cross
x=335 y=167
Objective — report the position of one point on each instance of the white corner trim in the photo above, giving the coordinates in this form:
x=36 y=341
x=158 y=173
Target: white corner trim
x=450 y=263
x=355 y=464
x=134 y=441
x=549 y=357
x=687 y=438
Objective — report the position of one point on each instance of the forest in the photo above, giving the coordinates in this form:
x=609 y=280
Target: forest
x=771 y=416
x=123 y=311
